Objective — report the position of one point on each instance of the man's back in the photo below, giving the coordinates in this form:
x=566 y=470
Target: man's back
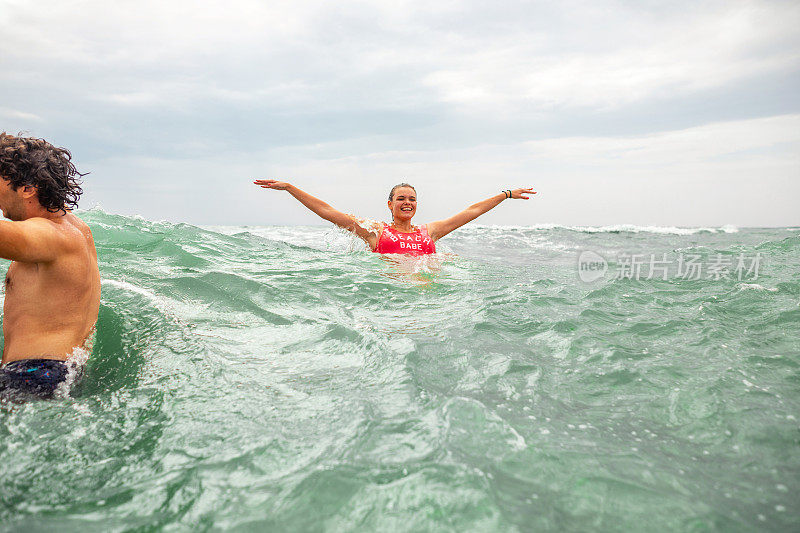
x=51 y=307
x=53 y=284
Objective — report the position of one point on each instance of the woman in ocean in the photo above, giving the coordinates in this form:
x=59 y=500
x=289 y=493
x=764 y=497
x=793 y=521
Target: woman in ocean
x=399 y=237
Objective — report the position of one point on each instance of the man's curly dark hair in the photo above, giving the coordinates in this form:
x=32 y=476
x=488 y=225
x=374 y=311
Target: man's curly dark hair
x=31 y=161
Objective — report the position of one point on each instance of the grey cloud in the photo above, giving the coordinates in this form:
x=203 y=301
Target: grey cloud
x=267 y=82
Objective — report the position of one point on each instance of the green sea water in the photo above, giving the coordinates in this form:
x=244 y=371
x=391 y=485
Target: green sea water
x=285 y=379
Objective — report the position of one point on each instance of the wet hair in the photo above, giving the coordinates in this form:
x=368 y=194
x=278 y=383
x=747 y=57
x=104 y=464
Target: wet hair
x=391 y=193
x=36 y=162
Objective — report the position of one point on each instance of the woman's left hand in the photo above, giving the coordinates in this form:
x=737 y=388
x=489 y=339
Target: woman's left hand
x=519 y=194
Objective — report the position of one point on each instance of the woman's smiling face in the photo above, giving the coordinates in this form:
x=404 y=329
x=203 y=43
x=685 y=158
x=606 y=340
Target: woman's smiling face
x=403 y=204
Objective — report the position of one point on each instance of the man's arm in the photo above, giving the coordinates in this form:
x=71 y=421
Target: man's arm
x=440 y=228
x=322 y=209
x=35 y=240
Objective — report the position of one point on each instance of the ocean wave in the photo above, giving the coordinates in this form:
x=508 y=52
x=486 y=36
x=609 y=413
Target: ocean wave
x=327 y=238
x=241 y=381
x=290 y=233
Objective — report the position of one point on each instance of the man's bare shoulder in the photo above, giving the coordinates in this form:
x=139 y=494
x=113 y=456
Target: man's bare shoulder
x=76 y=231
x=77 y=223
x=66 y=233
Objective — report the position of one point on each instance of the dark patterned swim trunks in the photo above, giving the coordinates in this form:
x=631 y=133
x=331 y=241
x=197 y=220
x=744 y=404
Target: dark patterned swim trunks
x=34 y=377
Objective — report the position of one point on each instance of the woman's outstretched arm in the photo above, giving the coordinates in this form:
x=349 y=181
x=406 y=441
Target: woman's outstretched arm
x=322 y=209
x=440 y=228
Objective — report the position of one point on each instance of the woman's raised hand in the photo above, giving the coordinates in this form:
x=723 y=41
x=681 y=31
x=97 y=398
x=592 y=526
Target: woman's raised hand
x=272 y=184
x=520 y=193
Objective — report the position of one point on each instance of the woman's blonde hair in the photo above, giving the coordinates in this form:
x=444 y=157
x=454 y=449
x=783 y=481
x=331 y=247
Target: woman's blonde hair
x=391 y=193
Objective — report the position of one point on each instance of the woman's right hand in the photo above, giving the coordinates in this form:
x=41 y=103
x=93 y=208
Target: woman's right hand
x=272 y=184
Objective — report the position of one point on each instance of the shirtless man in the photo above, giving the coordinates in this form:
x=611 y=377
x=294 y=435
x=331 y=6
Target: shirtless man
x=52 y=289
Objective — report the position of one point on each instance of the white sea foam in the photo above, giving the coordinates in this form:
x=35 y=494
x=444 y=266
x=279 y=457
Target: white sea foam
x=311 y=239
x=628 y=228
x=315 y=237
x=157 y=301
x=755 y=287
x=130 y=287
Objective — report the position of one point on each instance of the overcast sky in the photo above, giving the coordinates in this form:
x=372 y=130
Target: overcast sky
x=631 y=111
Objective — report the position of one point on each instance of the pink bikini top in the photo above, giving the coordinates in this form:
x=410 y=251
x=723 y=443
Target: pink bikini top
x=418 y=242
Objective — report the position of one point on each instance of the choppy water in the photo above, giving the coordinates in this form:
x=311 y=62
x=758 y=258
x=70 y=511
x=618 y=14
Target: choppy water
x=255 y=379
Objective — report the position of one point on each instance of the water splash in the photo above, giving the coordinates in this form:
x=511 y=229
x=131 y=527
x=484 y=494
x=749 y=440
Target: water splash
x=76 y=364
